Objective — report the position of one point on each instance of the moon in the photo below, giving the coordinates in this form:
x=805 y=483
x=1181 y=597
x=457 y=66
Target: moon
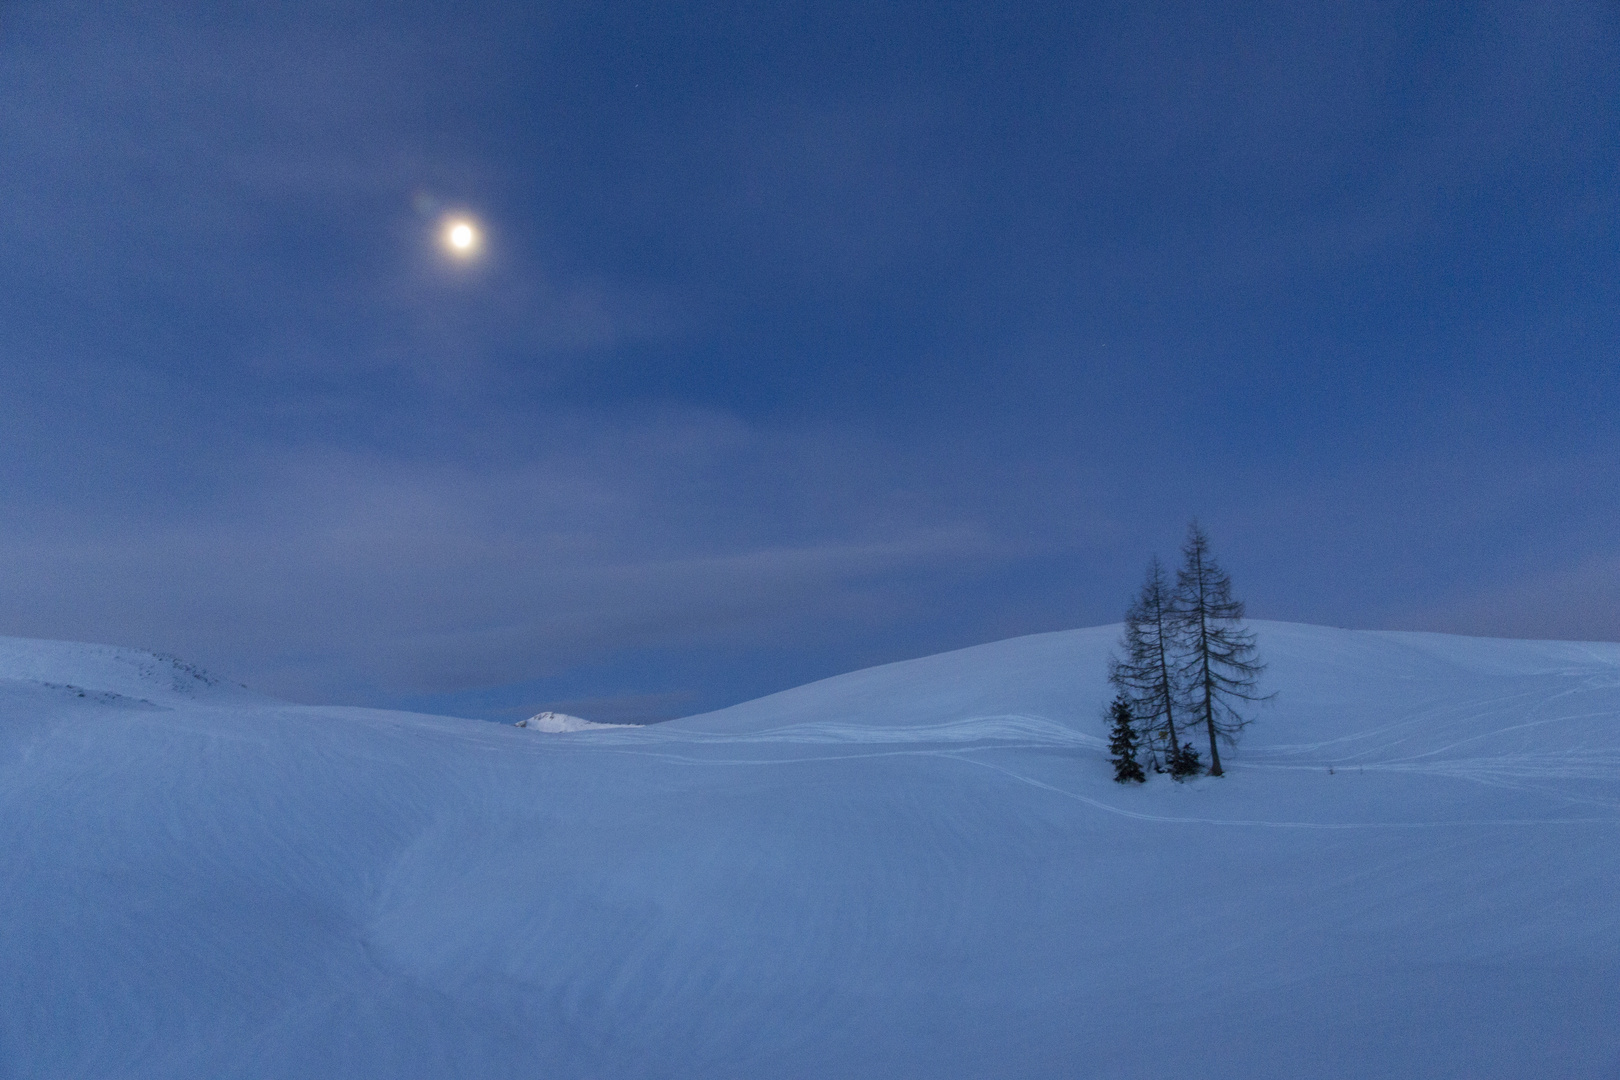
x=461 y=237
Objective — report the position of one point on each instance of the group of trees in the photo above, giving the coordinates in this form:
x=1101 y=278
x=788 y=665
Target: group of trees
x=1190 y=667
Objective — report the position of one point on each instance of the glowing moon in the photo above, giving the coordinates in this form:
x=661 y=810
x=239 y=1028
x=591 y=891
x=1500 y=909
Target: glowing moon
x=461 y=237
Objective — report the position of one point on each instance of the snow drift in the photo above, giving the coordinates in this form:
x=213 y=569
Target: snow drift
x=919 y=870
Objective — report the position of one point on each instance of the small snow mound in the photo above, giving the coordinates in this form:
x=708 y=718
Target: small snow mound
x=556 y=723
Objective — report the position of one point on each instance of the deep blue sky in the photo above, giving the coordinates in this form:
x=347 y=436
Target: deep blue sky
x=807 y=336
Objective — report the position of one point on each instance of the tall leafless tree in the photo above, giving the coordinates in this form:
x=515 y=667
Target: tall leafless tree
x=1147 y=674
x=1219 y=666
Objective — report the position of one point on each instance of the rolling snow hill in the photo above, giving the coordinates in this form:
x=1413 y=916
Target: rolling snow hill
x=918 y=870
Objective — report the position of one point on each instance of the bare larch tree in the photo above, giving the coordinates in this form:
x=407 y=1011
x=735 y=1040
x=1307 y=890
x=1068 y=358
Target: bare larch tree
x=1219 y=667
x=1147 y=674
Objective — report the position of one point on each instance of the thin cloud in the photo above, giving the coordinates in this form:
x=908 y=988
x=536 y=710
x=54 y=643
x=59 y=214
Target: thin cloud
x=428 y=579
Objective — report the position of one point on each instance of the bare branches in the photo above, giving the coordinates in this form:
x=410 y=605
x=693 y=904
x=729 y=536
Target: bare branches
x=1189 y=659
x=1146 y=676
x=1220 y=665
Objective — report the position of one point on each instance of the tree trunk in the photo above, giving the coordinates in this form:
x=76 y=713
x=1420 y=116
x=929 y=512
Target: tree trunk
x=1209 y=683
x=1169 y=693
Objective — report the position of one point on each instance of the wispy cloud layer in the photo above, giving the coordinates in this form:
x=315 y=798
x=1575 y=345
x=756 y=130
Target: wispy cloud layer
x=327 y=566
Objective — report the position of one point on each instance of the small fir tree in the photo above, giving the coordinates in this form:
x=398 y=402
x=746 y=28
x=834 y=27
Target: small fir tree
x=1147 y=674
x=1184 y=762
x=1122 y=743
x=1220 y=668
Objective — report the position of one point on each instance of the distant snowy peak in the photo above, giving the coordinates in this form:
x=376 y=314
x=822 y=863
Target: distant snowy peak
x=110 y=671
x=556 y=723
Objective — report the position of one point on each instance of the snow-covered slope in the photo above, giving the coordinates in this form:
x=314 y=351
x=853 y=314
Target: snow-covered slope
x=920 y=870
x=110 y=673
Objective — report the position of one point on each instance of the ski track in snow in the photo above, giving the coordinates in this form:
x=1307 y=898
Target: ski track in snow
x=1008 y=732
x=1168 y=819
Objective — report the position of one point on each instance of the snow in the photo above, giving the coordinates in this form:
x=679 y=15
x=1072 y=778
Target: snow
x=112 y=672
x=918 y=870
x=556 y=723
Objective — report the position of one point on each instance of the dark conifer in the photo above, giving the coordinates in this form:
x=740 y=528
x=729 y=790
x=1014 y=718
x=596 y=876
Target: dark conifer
x=1147 y=674
x=1185 y=763
x=1122 y=743
x=1219 y=667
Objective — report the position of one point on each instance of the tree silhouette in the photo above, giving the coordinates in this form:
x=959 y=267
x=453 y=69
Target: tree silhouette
x=1122 y=743
x=1220 y=667
x=1147 y=674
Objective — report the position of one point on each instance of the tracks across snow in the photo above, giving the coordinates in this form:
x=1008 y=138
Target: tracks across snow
x=1019 y=729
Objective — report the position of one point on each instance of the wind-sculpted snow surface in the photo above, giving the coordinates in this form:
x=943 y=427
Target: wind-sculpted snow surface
x=919 y=870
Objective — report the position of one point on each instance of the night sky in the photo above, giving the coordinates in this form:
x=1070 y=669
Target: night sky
x=802 y=337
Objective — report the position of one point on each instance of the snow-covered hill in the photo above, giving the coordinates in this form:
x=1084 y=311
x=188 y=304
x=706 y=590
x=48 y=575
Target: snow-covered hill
x=919 y=870
x=110 y=674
